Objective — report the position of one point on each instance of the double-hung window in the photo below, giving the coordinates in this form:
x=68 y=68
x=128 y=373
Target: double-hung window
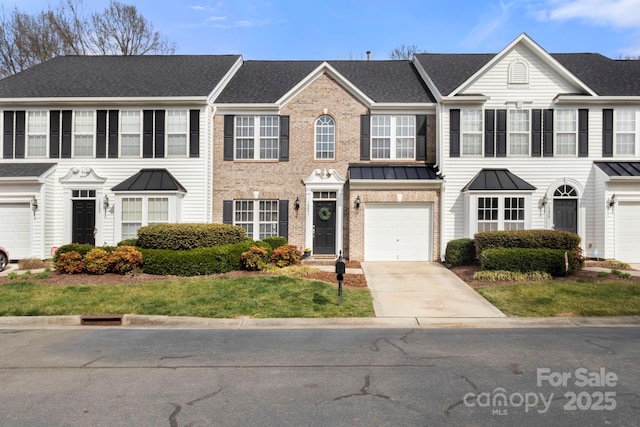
x=37 y=134
x=513 y=213
x=177 y=124
x=518 y=132
x=500 y=213
x=393 y=137
x=487 y=214
x=83 y=133
x=258 y=217
x=140 y=211
x=566 y=132
x=130 y=133
x=471 y=130
x=257 y=137
x=626 y=129
x=325 y=138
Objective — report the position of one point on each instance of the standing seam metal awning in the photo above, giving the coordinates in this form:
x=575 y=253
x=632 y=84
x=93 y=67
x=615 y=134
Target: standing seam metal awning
x=497 y=180
x=151 y=180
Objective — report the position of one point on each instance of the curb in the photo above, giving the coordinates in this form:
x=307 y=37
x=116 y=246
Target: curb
x=168 y=322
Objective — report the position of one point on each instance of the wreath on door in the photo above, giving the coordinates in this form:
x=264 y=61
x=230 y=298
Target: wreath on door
x=324 y=213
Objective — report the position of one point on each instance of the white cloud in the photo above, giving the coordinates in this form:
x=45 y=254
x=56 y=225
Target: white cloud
x=609 y=13
x=487 y=26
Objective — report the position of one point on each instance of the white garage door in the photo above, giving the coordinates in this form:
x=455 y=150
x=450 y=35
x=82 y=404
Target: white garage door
x=628 y=232
x=397 y=232
x=15 y=229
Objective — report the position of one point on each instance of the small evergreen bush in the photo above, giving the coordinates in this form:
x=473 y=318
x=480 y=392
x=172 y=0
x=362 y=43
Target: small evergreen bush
x=183 y=236
x=124 y=259
x=255 y=258
x=525 y=260
x=81 y=248
x=460 y=252
x=502 y=275
x=70 y=263
x=275 y=241
x=286 y=255
x=96 y=261
x=128 y=242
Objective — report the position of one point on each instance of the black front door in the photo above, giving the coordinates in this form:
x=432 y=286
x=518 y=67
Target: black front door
x=565 y=215
x=84 y=221
x=324 y=227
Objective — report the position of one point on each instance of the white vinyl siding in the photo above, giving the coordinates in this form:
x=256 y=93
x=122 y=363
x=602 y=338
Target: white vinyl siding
x=258 y=218
x=267 y=128
x=83 y=133
x=177 y=133
x=393 y=137
x=518 y=132
x=130 y=133
x=471 y=132
x=37 y=134
x=325 y=138
x=566 y=127
x=626 y=130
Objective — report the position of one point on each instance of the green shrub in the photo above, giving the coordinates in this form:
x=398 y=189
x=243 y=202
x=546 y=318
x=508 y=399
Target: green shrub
x=96 y=262
x=255 y=258
x=128 y=242
x=70 y=263
x=81 y=248
x=502 y=275
x=275 y=241
x=194 y=262
x=286 y=255
x=525 y=260
x=182 y=237
x=124 y=259
x=603 y=274
x=460 y=252
x=549 y=239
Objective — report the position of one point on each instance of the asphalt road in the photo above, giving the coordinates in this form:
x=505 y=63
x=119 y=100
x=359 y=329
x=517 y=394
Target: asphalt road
x=363 y=377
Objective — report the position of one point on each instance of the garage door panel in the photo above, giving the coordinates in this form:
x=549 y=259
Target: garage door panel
x=627 y=236
x=15 y=229
x=397 y=232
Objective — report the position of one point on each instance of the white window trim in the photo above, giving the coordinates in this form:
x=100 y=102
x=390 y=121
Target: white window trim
x=481 y=132
x=120 y=133
x=92 y=134
x=256 y=217
x=527 y=132
x=636 y=133
x=174 y=200
x=471 y=225
x=46 y=135
x=167 y=133
x=316 y=142
x=393 y=137
x=256 y=138
x=556 y=132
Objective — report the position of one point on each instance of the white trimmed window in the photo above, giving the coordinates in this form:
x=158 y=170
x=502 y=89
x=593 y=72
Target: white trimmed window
x=325 y=138
x=37 y=134
x=566 y=125
x=177 y=133
x=84 y=124
x=487 y=214
x=258 y=217
x=139 y=211
x=130 y=133
x=518 y=132
x=500 y=213
x=625 y=132
x=267 y=130
x=393 y=137
x=513 y=213
x=471 y=130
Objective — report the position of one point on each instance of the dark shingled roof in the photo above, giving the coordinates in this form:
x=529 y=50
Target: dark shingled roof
x=622 y=169
x=119 y=76
x=150 y=180
x=497 y=179
x=24 y=170
x=401 y=172
x=382 y=81
x=607 y=77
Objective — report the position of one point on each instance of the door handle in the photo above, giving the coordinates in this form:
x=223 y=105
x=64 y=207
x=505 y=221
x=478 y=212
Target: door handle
x=314 y=230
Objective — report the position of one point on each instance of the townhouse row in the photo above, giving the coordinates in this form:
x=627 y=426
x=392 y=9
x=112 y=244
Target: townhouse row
x=382 y=160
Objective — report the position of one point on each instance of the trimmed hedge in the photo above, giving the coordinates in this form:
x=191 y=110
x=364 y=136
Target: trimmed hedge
x=550 y=239
x=183 y=236
x=81 y=248
x=128 y=242
x=528 y=259
x=275 y=241
x=195 y=262
x=460 y=252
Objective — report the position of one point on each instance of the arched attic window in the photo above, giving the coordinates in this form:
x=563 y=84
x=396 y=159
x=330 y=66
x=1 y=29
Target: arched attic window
x=519 y=72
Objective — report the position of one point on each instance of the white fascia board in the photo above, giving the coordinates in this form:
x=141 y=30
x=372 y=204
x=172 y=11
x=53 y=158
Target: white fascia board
x=247 y=109
x=497 y=192
x=325 y=67
x=100 y=102
x=539 y=51
x=577 y=99
x=21 y=180
x=427 y=79
x=465 y=99
x=388 y=184
x=224 y=81
x=406 y=108
x=624 y=178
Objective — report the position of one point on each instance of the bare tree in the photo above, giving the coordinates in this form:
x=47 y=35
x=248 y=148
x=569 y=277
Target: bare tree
x=121 y=30
x=404 y=52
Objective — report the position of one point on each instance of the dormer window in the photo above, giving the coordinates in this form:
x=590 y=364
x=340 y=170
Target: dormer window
x=518 y=72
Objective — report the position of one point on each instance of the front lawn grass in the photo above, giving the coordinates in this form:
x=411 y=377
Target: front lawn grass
x=565 y=298
x=259 y=296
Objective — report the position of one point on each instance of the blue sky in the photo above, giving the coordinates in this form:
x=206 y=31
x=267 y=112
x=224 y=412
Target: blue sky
x=346 y=29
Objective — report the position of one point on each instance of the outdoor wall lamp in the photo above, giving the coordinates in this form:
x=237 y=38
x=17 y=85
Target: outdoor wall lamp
x=105 y=203
x=544 y=201
x=613 y=200
x=356 y=202
x=296 y=204
x=34 y=205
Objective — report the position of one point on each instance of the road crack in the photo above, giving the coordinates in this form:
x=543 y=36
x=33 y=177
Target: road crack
x=364 y=391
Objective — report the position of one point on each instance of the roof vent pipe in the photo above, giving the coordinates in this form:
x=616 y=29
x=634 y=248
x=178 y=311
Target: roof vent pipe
x=368 y=55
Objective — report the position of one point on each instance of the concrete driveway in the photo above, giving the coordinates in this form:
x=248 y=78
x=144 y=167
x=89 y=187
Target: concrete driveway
x=423 y=289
